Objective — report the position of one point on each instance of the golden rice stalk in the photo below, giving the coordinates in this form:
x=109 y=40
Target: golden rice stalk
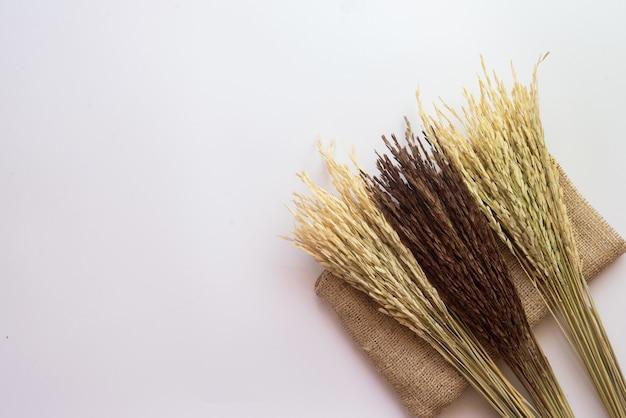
x=498 y=144
x=348 y=235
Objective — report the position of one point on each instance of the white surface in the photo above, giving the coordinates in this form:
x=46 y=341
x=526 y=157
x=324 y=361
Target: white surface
x=148 y=149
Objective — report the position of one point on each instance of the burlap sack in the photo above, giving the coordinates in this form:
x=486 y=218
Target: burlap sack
x=423 y=380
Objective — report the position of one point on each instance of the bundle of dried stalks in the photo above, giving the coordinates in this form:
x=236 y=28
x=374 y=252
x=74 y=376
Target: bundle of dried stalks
x=348 y=235
x=425 y=199
x=499 y=147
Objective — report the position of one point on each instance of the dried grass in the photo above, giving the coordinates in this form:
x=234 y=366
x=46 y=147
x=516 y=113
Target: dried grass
x=498 y=143
x=348 y=235
x=424 y=198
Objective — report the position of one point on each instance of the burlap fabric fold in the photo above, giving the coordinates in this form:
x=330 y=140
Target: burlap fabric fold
x=422 y=379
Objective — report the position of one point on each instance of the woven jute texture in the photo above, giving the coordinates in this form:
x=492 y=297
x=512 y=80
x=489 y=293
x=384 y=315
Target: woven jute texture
x=422 y=379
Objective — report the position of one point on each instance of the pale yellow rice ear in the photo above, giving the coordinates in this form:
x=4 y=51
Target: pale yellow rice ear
x=497 y=141
x=348 y=235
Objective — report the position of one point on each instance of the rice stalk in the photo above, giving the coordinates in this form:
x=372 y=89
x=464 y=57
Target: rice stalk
x=349 y=236
x=426 y=201
x=497 y=141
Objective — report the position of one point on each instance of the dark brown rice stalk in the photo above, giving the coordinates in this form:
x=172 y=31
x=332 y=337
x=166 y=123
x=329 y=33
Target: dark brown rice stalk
x=501 y=152
x=426 y=201
x=349 y=236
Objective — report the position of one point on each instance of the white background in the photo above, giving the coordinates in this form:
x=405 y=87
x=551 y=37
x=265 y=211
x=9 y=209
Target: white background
x=147 y=154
